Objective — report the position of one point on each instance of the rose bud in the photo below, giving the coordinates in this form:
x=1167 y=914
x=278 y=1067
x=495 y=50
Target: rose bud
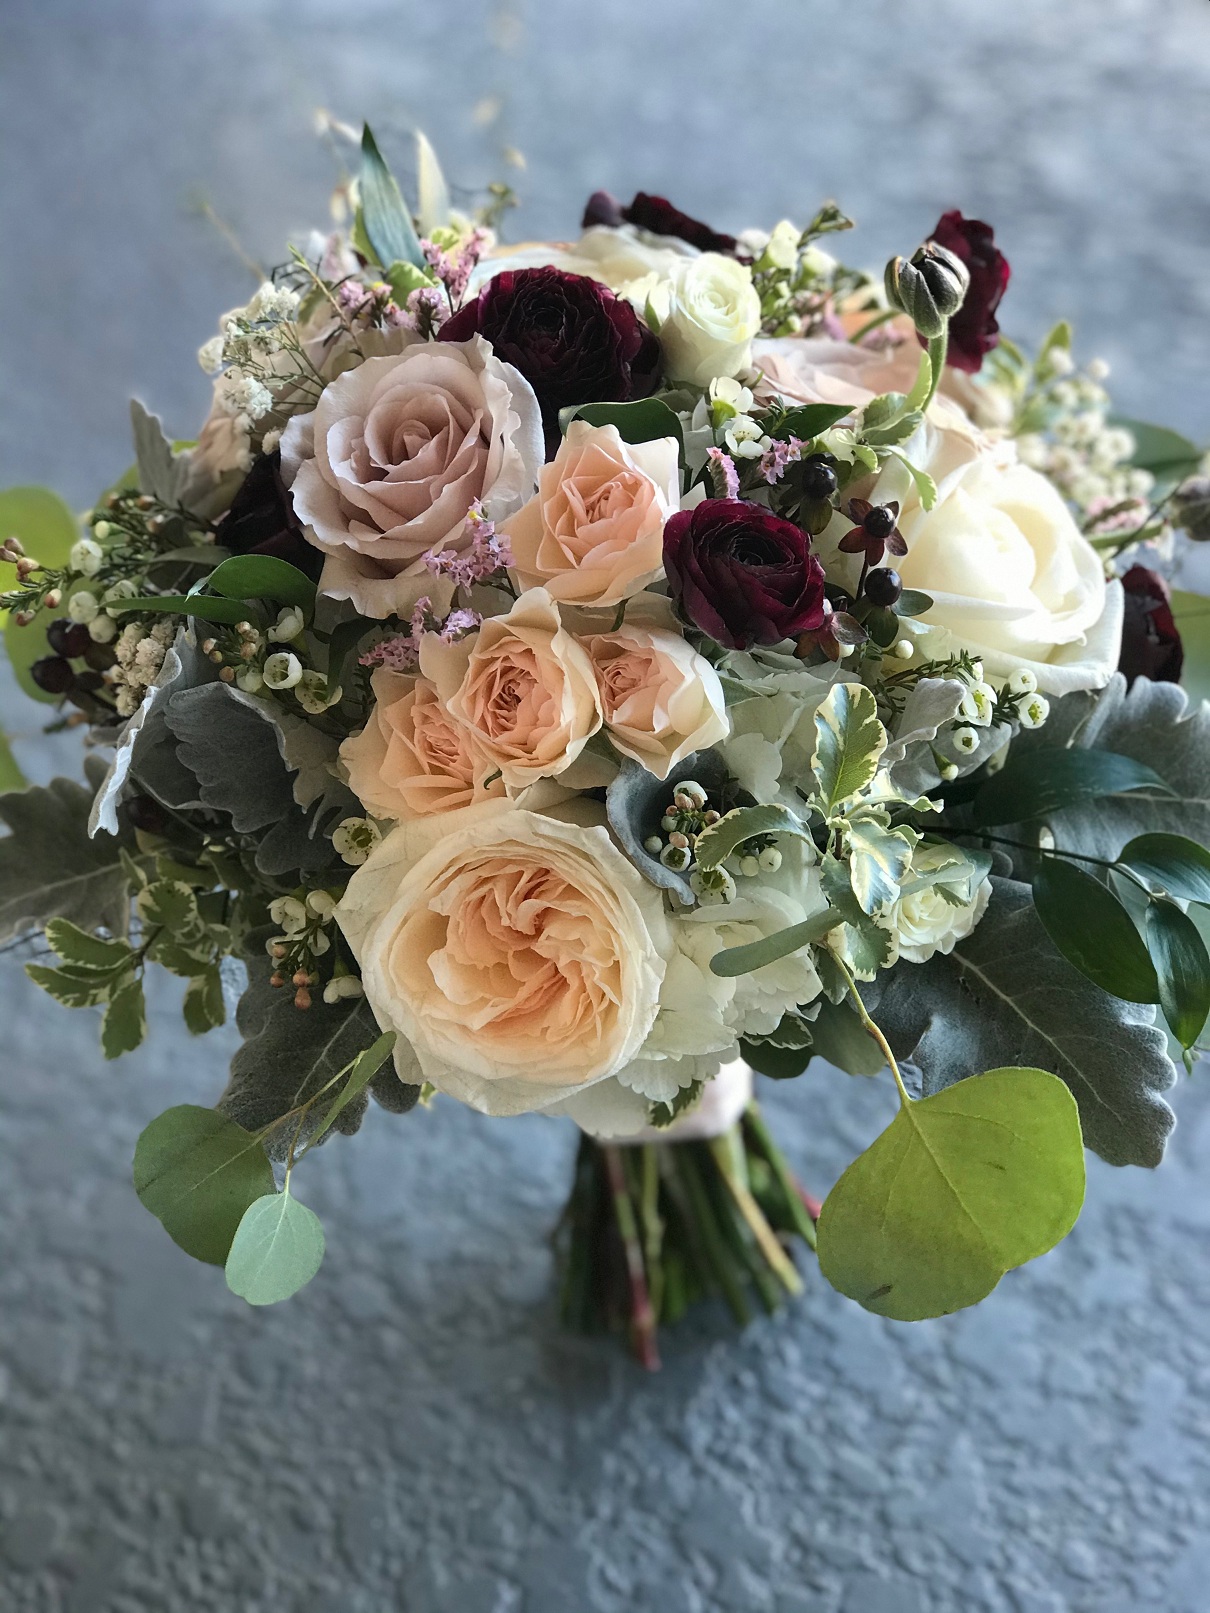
x=571 y=338
x=973 y=330
x=742 y=574
x=1151 y=643
x=929 y=289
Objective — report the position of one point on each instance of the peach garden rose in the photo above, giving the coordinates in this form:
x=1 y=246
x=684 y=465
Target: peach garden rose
x=592 y=536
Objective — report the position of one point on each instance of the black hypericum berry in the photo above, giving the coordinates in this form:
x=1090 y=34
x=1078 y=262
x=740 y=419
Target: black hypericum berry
x=879 y=521
x=146 y=814
x=883 y=587
x=818 y=477
x=53 y=674
x=68 y=638
x=99 y=657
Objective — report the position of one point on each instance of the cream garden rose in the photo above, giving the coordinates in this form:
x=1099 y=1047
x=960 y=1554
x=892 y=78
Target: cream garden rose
x=519 y=956
x=594 y=533
x=661 y=701
x=1012 y=578
x=394 y=454
x=522 y=687
x=412 y=759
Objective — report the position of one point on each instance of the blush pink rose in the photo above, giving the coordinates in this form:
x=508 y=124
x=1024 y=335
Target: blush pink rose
x=394 y=454
x=593 y=534
x=522 y=687
x=412 y=758
x=661 y=700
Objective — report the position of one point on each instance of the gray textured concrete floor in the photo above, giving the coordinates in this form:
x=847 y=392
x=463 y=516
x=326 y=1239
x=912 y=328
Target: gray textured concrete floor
x=414 y=1432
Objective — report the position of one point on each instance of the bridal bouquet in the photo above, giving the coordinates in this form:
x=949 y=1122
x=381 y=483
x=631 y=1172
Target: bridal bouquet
x=567 y=678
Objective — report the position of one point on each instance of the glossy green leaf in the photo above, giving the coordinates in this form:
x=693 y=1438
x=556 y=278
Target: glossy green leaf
x=809 y=420
x=1093 y=931
x=716 y=844
x=838 y=1036
x=277 y=1249
x=1171 y=863
x=743 y=960
x=646 y=420
x=197 y=1172
x=849 y=742
x=201 y=606
x=1165 y=453
x=345 y=638
x=47 y=530
x=960 y=1188
x=365 y=1067
x=913 y=602
x=384 y=215
x=1036 y=784
x=778 y=1063
x=262 y=576
x=1182 y=966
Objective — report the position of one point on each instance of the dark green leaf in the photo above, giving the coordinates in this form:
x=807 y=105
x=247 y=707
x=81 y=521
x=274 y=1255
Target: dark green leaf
x=841 y=1039
x=385 y=218
x=262 y=576
x=197 y=1172
x=1171 y=863
x=960 y=1188
x=1192 y=615
x=277 y=1249
x=203 y=1007
x=778 y=1063
x=345 y=637
x=809 y=420
x=1183 y=967
x=1006 y=991
x=124 y=1026
x=912 y=602
x=1093 y=931
x=72 y=988
x=1034 y=786
x=644 y=421
x=201 y=606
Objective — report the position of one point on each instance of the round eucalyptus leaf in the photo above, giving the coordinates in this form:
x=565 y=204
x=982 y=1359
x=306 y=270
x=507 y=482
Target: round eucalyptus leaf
x=277 y=1250
x=197 y=1172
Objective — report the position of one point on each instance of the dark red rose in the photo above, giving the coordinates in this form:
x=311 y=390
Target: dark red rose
x=742 y=574
x=261 y=520
x=657 y=214
x=570 y=337
x=1151 y=643
x=973 y=329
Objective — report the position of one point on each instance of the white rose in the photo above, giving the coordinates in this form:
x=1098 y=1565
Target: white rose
x=924 y=922
x=519 y=955
x=708 y=313
x=1012 y=578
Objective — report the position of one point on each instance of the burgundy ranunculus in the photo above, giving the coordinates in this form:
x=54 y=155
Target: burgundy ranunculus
x=569 y=336
x=261 y=520
x=973 y=329
x=657 y=214
x=742 y=574
x=1151 y=642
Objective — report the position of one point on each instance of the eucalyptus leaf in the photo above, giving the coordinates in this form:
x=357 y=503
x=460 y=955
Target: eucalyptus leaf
x=742 y=960
x=197 y=1172
x=960 y=1188
x=277 y=1249
x=1183 y=969
x=1093 y=931
x=849 y=743
x=1005 y=990
x=387 y=223
x=365 y=1067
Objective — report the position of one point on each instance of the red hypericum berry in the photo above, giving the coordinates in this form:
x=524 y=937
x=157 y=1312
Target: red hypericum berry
x=68 y=638
x=53 y=674
x=883 y=587
x=145 y=813
x=100 y=657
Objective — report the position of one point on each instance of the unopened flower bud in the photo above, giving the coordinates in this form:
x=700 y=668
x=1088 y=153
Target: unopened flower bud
x=929 y=288
x=966 y=741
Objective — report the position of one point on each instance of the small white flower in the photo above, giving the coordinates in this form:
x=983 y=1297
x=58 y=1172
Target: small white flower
x=966 y=740
x=354 y=839
x=311 y=693
x=781 y=249
x=1098 y=370
x=249 y=679
x=86 y=557
x=1060 y=361
x=343 y=986
x=289 y=625
x=745 y=438
x=238 y=395
x=978 y=704
x=288 y=913
x=322 y=904
x=102 y=629
x=210 y=355
x=320 y=944
x=283 y=670
x=1034 y=711
x=1022 y=681
x=728 y=398
x=83 y=606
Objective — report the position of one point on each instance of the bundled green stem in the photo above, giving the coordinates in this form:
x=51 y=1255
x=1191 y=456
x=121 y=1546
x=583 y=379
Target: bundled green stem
x=650 y=1229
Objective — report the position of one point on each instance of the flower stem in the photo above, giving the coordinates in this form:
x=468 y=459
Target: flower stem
x=724 y=1149
x=642 y=1318
x=938 y=347
x=873 y=1030
x=798 y=1204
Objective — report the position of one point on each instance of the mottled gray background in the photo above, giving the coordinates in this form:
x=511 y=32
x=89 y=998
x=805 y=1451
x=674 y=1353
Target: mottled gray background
x=414 y=1432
